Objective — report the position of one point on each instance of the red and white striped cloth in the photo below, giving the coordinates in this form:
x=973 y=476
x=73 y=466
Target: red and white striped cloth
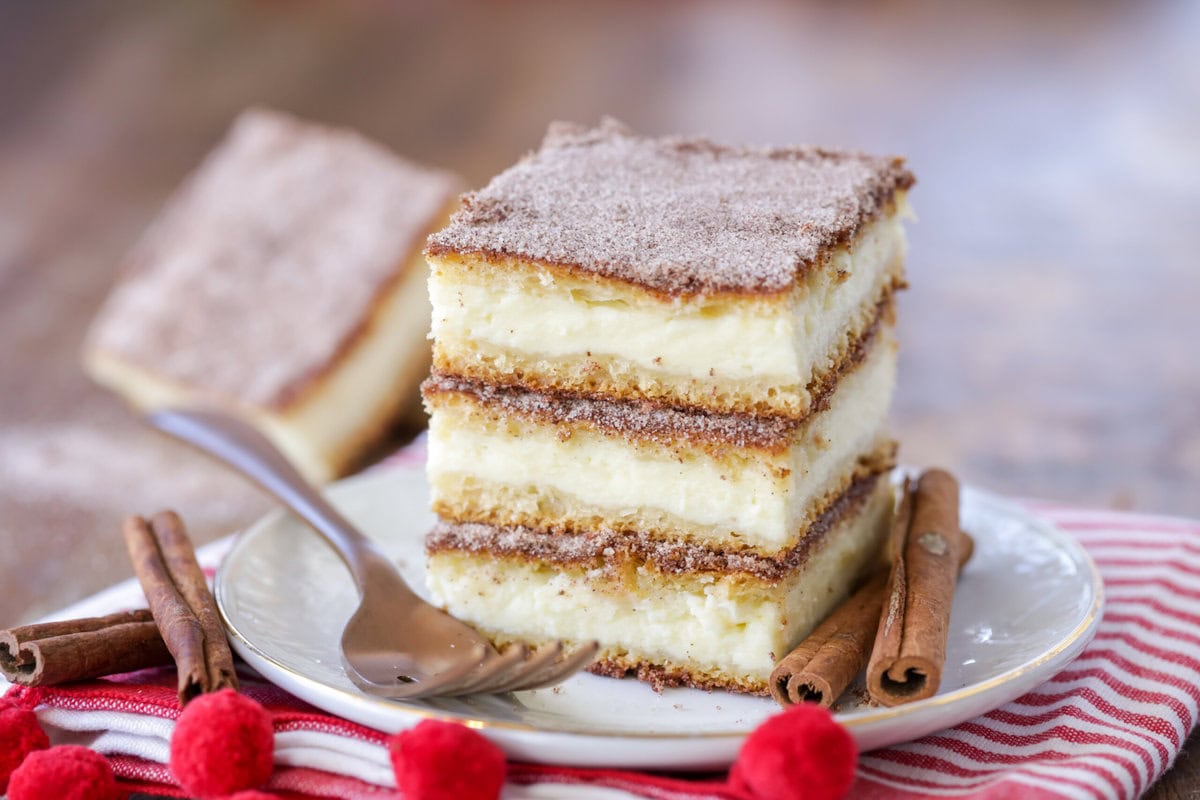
x=1112 y=722
x=1106 y=727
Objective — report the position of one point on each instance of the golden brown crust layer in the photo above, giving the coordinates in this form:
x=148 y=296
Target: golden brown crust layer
x=679 y=217
x=635 y=420
x=662 y=677
x=608 y=549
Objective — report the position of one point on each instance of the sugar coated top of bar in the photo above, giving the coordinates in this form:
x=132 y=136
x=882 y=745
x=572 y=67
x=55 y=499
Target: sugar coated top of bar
x=267 y=262
x=680 y=216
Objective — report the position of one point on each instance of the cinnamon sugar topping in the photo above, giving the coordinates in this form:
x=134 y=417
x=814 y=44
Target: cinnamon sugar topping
x=682 y=216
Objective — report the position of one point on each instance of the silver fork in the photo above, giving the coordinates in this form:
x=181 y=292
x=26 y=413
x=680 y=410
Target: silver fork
x=395 y=644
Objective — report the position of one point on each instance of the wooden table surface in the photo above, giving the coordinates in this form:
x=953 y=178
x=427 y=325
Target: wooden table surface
x=1050 y=335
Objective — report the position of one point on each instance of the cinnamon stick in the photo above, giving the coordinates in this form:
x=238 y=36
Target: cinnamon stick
x=185 y=571
x=57 y=652
x=183 y=608
x=822 y=666
x=910 y=645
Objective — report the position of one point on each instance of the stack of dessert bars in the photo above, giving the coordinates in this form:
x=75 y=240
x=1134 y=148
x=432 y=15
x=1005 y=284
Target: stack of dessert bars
x=661 y=374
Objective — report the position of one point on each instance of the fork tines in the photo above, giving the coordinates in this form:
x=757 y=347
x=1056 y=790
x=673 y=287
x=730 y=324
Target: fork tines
x=518 y=669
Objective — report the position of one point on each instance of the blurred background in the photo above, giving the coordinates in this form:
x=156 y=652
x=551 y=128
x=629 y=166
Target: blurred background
x=1050 y=334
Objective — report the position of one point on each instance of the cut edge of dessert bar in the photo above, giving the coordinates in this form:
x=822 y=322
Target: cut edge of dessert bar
x=669 y=613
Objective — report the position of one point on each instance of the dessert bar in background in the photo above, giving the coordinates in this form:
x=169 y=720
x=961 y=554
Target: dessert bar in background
x=661 y=374
x=283 y=281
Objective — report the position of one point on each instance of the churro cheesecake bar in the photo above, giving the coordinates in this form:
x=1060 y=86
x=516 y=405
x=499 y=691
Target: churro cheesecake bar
x=661 y=373
x=675 y=270
x=283 y=281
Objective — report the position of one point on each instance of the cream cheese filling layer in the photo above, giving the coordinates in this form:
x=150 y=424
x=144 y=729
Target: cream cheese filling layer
x=721 y=627
x=745 y=497
x=512 y=316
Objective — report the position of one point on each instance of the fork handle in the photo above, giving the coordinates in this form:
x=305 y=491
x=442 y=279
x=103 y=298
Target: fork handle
x=242 y=447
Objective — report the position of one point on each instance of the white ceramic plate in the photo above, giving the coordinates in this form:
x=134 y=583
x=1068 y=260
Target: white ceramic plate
x=1029 y=602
